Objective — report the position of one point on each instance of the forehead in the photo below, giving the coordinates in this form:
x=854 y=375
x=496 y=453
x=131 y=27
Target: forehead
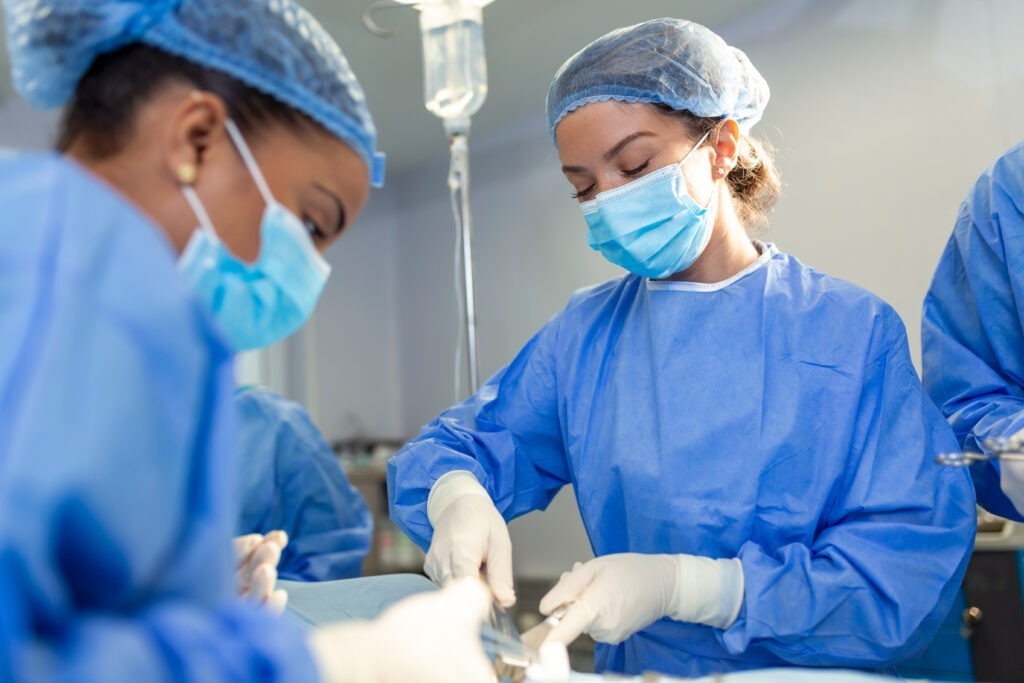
x=598 y=126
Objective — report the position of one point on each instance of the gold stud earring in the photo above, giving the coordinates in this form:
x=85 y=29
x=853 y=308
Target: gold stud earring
x=187 y=174
x=196 y=96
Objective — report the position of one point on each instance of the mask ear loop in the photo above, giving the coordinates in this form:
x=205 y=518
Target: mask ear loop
x=316 y=258
x=250 y=161
x=695 y=147
x=687 y=156
x=198 y=209
x=205 y=225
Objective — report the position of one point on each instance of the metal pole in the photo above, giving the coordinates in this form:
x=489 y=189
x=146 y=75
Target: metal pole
x=460 y=156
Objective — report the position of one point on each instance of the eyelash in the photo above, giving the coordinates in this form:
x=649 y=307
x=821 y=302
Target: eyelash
x=630 y=173
x=313 y=228
x=638 y=170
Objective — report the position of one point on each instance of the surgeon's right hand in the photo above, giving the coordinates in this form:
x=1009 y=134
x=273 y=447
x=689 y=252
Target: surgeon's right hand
x=1011 y=478
x=428 y=638
x=257 y=557
x=470 y=536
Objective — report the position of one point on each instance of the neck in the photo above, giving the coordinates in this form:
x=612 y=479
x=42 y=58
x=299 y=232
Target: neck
x=136 y=185
x=729 y=249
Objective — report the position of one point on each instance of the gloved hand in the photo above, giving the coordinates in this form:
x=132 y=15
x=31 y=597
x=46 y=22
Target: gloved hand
x=1011 y=478
x=614 y=596
x=428 y=638
x=470 y=536
x=257 y=557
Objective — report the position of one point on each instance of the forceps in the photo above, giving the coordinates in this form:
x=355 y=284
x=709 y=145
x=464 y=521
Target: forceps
x=999 y=448
x=512 y=657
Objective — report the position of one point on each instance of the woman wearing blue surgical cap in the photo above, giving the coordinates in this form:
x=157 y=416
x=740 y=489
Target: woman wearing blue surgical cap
x=973 y=329
x=210 y=151
x=751 y=449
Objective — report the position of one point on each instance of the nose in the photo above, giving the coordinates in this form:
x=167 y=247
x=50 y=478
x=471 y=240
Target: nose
x=609 y=181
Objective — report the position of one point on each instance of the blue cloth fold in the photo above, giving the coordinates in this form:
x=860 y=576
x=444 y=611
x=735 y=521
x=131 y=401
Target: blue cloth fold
x=117 y=459
x=972 y=331
x=291 y=480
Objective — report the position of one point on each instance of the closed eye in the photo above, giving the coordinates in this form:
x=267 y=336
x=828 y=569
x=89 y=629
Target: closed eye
x=633 y=172
x=314 y=230
x=582 y=193
x=629 y=173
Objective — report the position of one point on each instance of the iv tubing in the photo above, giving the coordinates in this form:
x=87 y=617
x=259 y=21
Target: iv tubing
x=458 y=183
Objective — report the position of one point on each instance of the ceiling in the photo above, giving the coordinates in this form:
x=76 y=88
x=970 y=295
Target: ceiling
x=526 y=41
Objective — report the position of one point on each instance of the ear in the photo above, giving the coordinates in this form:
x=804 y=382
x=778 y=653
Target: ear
x=197 y=133
x=726 y=146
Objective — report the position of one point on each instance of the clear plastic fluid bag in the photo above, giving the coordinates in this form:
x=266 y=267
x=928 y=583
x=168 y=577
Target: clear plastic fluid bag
x=455 y=70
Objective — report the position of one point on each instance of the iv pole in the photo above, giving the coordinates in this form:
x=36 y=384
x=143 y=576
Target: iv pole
x=458 y=184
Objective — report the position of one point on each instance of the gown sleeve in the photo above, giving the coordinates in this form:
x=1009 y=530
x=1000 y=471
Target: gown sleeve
x=972 y=333
x=117 y=489
x=294 y=482
x=508 y=435
x=898 y=533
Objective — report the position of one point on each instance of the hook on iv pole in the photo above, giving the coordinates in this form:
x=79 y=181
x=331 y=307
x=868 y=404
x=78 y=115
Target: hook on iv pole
x=370 y=17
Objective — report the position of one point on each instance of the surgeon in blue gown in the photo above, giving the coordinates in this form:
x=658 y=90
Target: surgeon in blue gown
x=119 y=316
x=292 y=481
x=751 y=449
x=972 y=330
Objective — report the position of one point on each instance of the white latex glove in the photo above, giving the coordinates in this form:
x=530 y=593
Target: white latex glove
x=428 y=638
x=470 y=536
x=614 y=596
x=1011 y=479
x=257 y=557
x=551 y=665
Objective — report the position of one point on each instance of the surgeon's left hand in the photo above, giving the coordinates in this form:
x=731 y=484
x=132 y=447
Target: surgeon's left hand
x=614 y=596
x=257 y=557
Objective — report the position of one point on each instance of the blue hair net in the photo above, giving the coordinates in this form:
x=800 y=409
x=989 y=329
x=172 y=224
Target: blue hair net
x=274 y=46
x=664 y=61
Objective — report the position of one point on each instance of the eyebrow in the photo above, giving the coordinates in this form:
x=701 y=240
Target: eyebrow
x=614 y=151
x=342 y=216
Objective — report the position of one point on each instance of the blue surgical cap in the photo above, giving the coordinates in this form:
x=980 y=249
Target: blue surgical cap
x=274 y=46
x=665 y=61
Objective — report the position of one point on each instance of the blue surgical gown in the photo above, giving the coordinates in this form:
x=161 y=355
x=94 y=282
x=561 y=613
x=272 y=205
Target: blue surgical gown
x=117 y=459
x=292 y=480
x=774 y=417
x=972 y=331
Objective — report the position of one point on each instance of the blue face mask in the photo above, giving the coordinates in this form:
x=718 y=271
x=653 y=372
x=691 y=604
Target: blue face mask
x=255 y=304
x=651 y=226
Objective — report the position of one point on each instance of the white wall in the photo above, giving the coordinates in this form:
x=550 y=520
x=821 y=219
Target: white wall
x=528 y=261
x=883 y=114
x=21 y=127
x=353 y=390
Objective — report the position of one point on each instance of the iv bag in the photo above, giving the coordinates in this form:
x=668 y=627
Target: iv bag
x=455 y=70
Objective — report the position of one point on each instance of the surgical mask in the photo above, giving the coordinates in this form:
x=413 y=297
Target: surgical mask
x=650 y=226
x=255 y=304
